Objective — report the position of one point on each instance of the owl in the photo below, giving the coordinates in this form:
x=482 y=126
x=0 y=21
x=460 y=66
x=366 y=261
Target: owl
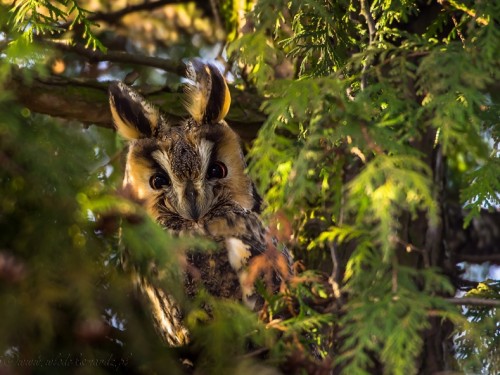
x=191 y=178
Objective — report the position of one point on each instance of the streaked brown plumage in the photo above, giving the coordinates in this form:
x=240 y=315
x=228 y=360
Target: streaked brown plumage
x=191 y=178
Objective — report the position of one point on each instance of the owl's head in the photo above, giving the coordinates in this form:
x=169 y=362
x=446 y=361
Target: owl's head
x=183 y=171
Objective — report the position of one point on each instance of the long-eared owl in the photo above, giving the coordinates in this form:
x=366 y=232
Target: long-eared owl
x=191 y=178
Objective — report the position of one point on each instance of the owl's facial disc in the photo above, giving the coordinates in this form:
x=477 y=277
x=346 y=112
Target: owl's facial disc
x=199 y=196
x=186 y=175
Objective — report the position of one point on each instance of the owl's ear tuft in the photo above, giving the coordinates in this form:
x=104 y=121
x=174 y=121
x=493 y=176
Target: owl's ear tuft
x=207 y=96
x=132 y=115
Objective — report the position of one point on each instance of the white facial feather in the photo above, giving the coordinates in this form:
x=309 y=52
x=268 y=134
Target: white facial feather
x=205 y=151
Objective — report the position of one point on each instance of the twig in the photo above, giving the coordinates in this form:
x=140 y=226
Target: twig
x=255 y=353
x=394 y=278
x=365 y=12
x=111 y=160
x=113 y=17
x=459 y=32
x=412 y=248
x=54 y=80
x=334 y=277
x=445 y=4
x=215 y=12
x=369 y=140
x=122 y=57
x=472 y=301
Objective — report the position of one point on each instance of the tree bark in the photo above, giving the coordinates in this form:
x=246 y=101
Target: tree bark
x=87 y=102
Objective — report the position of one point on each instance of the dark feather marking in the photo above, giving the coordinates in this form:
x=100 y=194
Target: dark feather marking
x=217 y=95
x=230 y=221
x=257 y=200
x=256 y=247
x=213 y=134
x=144 y=148
x=205 y=226
x=130 y=111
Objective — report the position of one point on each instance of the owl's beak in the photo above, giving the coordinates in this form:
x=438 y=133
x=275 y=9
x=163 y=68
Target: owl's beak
x=191 y=196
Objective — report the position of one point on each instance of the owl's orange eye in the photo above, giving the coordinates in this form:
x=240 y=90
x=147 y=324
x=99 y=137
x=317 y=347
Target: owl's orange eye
x=158 y=181
x=217 y=170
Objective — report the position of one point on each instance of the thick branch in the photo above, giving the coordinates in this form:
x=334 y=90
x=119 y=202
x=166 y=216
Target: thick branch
x=474 y=301
x=60 y=98
x=87 y=102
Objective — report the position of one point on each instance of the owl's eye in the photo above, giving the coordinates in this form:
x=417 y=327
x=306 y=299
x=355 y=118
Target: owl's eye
x=217 y=170
x=159 y=180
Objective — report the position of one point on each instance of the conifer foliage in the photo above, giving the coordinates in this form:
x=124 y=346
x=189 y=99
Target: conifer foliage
x=373 y=133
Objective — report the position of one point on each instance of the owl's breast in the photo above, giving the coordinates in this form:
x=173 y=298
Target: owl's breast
x=213 y=271
x=233 y=221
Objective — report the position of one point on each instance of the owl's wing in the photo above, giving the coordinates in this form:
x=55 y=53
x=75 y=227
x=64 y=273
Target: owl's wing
x=248 y=254
x=165 y=311
x=251 y=251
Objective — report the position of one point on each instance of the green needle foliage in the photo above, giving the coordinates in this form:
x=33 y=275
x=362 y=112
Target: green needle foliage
x=34 y=18
x=480 y=352
x=62 y=292
x=387 y=88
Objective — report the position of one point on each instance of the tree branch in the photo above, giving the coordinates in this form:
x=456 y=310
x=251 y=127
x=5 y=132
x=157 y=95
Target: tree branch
x=334 y=278
x=471 y=301
x=178 y=68
x=365 y=12
x=59 y=98
x=492 y=258
x=113 y=17
x=87 y=102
